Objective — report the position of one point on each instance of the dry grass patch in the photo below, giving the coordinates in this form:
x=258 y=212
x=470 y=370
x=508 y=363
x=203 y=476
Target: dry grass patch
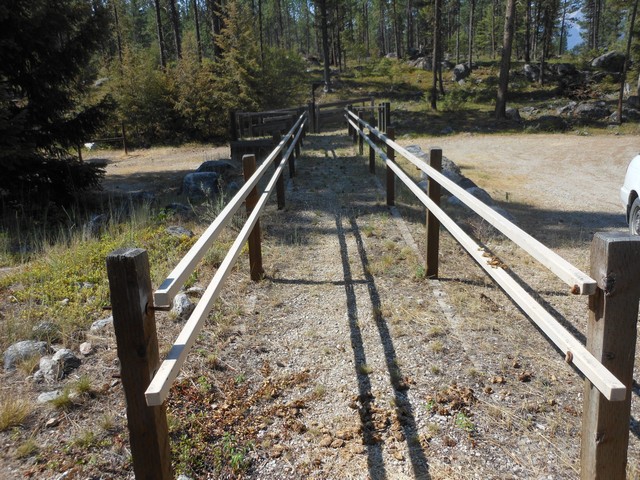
x=14 y=411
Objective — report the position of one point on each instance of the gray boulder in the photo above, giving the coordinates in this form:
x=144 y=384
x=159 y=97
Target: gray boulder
x=47 y=397
x=460 y=72
x=423 y=63
x=566 y=69
x=101 y=324
x=182 y=307
x=47 y=331
x=201 y=184
x=513 y=114
x=94 y=227
x=221 y=167
x=178 y=231
x=22 y=351
x=609 y=62
x=67 y=360
x=591 y=111
x=531 y=72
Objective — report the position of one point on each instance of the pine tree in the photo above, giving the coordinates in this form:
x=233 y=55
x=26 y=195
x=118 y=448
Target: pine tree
x=44 y=91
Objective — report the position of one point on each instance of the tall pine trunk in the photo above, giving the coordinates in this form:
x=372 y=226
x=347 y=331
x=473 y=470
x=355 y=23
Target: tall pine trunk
x=472 y=6
x=436 y=52
x=505 y=61
x=175 y=23
x=163 y=54
x=627 y=57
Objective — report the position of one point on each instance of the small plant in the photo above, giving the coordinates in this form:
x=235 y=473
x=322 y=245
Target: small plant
x=28 y=366
x=437 y=346
x=365 y=369
x=421 y=272
x=63 y=401
x=462 y=421
x=240 y=378
x=107 y=422
x=83 y=386
x=26 y=449
x=13 y=412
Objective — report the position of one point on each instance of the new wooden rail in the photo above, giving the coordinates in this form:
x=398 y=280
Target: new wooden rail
x=607 y=360
x=146 y=382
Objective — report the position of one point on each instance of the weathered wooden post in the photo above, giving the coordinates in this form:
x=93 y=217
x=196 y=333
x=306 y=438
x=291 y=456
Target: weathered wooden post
x=433 y=224
x=372 y=154
x=360 y=137
x=611 y=338
x=135 y=328
x=391 y=177
x=311 y=116
x=280 y=182
x=292 y=156
x=349 y=127
x=254 y=241
x=387 y=115
x=233 y=126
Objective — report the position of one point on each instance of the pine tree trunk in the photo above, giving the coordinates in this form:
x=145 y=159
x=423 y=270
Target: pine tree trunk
x=505 y=62
x=163 y=56
x=175 y=23
x=436 y=52
x=196 y=17
x=627 y=58
x=472 y=6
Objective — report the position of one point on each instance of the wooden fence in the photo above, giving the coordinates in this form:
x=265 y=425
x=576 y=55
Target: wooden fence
x=607 y=361
x=146 y=382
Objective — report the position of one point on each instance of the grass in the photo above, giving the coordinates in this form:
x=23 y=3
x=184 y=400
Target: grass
x=14 y=411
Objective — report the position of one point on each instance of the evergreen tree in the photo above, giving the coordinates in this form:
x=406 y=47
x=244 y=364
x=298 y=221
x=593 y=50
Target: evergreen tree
x=47 y=46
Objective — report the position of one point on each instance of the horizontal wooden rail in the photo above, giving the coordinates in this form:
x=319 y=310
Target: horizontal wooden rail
x=610 y=387
x=343 y=103
x=170 y=287
x=580 y=282
x=159 y=387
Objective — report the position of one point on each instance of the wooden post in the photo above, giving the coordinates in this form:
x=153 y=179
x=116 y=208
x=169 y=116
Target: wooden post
x=387 y=116
x=316 y=112
x=433 y=224
x=233 y=127
x=360 y=137
x=297 y=147
x=611 y=338
x=255 y=247
x=372 y=155
x=292 y=157
x=135 y=328
x=311 y=116
x=280 y=182
x=391 y=177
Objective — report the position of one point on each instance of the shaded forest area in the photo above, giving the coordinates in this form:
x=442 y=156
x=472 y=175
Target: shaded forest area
x=170 y=71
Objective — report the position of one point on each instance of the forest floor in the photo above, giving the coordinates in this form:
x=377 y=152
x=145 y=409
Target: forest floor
x=344 y=362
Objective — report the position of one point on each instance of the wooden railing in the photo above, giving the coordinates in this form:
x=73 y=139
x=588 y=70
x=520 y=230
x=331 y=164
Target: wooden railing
x=607 y=360
x=324 y=113
x=146 y=382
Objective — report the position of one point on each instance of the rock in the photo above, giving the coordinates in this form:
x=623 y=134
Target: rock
x=47 y=397
x=47 y=331
x=94 y=227
x=566 y=69
x=391 y=55
x=531 y=73
x=178 y=231
x=182 y=306
x=633 y=101
x=50 y=370
x=421 y=62
x=460 y=72
x=196 y=291
x=102 y=324
x=513 y=114
x=85 y=348
x=447 y=130
x=67 y=360
x=21 y=351
x=567 y=109
x=609 y=62
x=591 y=111
x=178 y=209
x=221 y=167
x=550 y=123
x=52 y=422
x=201 y=184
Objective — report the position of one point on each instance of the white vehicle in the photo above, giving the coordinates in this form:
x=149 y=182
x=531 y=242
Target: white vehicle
x=629 y=195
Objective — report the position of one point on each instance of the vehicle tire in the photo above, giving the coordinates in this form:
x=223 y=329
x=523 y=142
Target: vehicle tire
x=634 y=218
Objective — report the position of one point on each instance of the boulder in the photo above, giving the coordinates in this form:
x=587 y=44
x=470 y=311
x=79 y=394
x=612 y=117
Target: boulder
x=531 y=72
x=178 y=231
x=460 y=72
x=182 y=307
x=513 y=114
x=567 y=109
x=591 y=111
x=67 y=360
x=200 y=184
x=94 y=227
x=221 y=167
x=102 y=324
x=609 y=62
x=178 y=209
x=47 y=331
x=566 y=69
x=24 y=350
x=423 y=63
x=47 y=397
